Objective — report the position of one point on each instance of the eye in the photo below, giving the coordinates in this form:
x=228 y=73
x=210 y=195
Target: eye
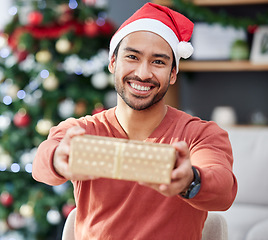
x=132 y=57
x=160 y=62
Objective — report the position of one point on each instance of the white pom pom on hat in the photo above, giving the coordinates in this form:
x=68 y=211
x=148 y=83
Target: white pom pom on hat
x=185 y=49
x=175 y=28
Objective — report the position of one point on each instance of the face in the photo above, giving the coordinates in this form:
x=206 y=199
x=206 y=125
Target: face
x=143 y=69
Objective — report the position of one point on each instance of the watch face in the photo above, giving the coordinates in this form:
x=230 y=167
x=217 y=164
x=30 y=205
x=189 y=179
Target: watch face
x=194 y=190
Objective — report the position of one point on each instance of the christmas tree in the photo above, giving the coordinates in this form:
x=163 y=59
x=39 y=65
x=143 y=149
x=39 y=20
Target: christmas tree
x=53 y=65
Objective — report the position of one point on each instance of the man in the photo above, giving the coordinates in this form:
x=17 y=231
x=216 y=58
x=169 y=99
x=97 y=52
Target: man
x=144 y=57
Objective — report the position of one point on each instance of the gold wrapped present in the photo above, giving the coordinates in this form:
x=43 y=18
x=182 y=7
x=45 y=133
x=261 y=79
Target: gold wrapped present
x=122 y=159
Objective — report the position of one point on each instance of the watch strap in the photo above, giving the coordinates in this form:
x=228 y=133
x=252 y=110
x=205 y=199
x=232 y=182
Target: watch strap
x=196 y=183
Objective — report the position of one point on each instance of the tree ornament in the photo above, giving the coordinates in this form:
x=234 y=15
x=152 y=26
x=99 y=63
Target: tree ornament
x=80 y=108
x=16 y=221
x=21 y=118
x=6 y=199
x=100 y=80
x=107 y=28
x=43 y=56
x=43 y=126
x=26 y=210
x=5 y=159
x=35 y=18
x=63 y=46
x=3 y=227
x=53 y=216
x=91 y=28
x=67 y=208
x=21 y=55
x=51 y=83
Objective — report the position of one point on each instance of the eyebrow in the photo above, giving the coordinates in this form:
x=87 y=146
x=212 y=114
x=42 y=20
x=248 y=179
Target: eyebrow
x=158 y=55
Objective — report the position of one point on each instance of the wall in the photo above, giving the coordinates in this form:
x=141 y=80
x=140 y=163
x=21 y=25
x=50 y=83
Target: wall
x=120 y=10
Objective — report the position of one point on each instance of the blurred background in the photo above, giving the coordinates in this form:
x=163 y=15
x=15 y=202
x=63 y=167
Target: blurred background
x=53 y=65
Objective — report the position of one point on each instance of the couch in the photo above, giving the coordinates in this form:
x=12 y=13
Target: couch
x=247 y=219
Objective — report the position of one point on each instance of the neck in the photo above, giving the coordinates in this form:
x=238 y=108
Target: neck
x=139 y=125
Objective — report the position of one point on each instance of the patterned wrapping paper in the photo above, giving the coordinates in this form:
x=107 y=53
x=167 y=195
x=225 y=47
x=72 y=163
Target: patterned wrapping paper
x=122 y=159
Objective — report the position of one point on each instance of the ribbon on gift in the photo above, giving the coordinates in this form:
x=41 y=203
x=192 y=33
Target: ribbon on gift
x=118 y=159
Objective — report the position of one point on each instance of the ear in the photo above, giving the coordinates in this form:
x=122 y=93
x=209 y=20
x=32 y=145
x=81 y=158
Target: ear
x=173 y=76
x=111 y=65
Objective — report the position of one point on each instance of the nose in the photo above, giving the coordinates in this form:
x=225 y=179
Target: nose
x=144 y=71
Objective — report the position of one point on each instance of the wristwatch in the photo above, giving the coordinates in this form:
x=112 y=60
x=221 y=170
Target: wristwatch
x=194 y=187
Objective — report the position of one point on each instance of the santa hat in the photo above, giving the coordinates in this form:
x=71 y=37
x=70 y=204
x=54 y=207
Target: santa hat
x=175 y=28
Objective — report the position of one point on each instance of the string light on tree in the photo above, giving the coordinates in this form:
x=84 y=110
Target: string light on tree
x=100 y=80
x=53 y=216
x=66 y=108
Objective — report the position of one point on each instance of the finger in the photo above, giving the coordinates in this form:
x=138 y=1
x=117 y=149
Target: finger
x=71 y=132
x=181 y=170
x=171 y=189
x=182 y=149
x=64 y=146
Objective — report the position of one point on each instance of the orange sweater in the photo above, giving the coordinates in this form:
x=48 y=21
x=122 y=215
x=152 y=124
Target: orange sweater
x=114 y=209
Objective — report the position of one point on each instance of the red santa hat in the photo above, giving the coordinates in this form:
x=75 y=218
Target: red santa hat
x=175 y=28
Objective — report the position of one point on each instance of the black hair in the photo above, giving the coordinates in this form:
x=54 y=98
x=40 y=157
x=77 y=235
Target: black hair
x=118 y=45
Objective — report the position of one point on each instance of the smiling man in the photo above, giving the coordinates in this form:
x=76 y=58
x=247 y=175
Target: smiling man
x=144 y=59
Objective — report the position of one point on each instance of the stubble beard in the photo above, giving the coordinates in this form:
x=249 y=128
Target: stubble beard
x=138 y=105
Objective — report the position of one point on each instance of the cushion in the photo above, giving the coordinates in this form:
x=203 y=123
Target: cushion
x=241 y=218
x=259 y=231
x=250 y=150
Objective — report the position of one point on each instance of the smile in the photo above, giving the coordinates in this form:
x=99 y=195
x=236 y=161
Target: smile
x=139 y=87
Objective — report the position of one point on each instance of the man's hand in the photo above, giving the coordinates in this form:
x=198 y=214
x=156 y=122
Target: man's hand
x=181 y=176
x=61 y=156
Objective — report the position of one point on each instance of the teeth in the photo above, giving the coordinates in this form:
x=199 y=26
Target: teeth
x=138 y=87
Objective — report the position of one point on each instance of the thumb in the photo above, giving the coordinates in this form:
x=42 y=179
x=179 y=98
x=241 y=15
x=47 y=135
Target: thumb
x=182 y=151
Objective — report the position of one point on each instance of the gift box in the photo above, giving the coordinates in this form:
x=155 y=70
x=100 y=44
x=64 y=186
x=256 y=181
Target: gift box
x=122 y=159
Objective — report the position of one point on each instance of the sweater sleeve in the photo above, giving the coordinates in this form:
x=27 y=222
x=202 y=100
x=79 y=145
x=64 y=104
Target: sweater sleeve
x=43 y=170
x=211 y=153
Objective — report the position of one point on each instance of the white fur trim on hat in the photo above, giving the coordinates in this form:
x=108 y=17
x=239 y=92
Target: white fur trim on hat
x=155 y=26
